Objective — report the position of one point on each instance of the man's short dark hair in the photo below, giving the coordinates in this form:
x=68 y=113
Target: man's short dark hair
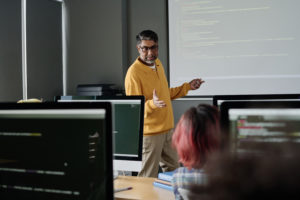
x=146 y=35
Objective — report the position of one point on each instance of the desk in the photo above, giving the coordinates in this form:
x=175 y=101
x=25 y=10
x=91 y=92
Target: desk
x=142 y=188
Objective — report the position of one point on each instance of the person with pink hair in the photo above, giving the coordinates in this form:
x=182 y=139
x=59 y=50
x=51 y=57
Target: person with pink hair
x=196 y=137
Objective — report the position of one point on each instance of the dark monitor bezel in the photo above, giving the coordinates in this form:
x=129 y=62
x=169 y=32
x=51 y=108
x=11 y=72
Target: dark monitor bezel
x=88 y=105
x=133 y=97
x=226 y=106
x=255 y=97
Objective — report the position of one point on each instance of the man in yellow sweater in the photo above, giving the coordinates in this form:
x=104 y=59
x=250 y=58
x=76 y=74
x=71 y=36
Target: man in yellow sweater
x=146 y=77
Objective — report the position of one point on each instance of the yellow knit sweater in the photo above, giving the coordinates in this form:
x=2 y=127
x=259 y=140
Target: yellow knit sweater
x=142 y=80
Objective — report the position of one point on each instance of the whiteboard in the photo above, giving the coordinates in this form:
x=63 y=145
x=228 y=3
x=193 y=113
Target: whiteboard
x=235 y=46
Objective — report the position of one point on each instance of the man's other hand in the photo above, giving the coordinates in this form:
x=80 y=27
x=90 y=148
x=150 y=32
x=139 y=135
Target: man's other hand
x=158 y=103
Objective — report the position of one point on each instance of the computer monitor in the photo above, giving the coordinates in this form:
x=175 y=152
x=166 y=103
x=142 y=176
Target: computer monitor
x=249 y=127
x=128 y=123
x=56 y=151
x=219 y=99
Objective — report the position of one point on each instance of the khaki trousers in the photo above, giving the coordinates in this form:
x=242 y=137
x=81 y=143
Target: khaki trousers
x=157 y=150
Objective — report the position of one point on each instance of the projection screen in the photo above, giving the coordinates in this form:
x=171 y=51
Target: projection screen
x=235 y=46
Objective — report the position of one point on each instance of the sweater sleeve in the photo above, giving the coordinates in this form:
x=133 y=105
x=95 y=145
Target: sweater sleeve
x=133 y=86
x=180 y=91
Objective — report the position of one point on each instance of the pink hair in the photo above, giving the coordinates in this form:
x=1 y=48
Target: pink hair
x=197 y=135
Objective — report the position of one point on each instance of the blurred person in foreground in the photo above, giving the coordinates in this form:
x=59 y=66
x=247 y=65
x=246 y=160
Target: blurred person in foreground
x=274 y=173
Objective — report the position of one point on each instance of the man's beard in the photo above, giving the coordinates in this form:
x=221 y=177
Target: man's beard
x=152 y=61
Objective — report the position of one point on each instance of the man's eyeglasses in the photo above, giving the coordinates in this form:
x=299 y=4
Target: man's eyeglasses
x=146 y=49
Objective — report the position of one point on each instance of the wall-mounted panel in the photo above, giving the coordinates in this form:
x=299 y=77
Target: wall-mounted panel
x=44 y=49
x=10 y=51
x=94 y=43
